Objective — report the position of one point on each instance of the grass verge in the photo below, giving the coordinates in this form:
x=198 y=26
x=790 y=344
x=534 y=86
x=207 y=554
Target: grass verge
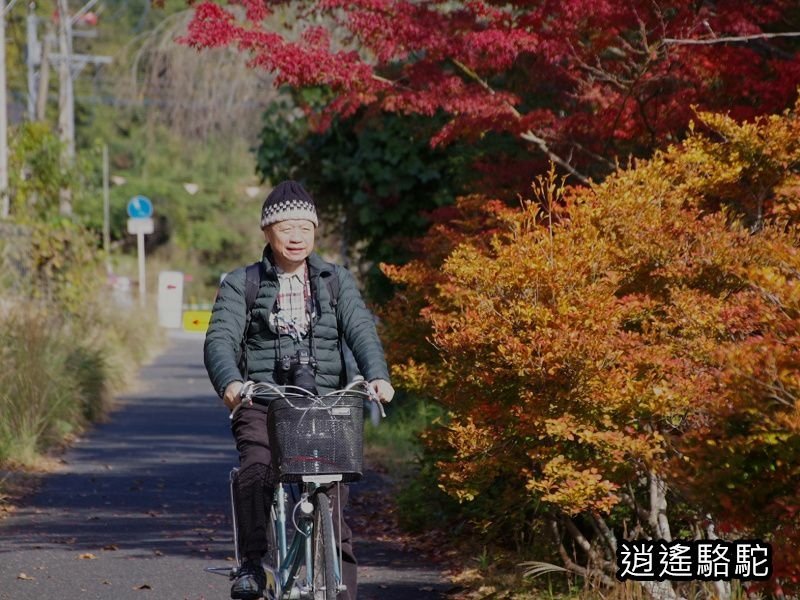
x=393 y=444
x=60 y=373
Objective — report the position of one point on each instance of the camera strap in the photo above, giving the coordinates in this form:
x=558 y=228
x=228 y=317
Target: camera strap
x=254 y=275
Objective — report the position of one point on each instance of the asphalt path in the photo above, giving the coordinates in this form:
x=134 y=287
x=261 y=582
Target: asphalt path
x=139 y=506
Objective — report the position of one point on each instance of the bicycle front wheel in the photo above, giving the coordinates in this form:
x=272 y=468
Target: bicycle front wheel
x=324 y=549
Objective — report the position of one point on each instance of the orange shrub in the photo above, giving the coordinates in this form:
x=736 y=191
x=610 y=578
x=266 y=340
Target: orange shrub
x=624 y=354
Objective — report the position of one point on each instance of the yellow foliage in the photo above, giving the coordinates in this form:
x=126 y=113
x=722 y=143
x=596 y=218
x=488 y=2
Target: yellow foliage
x=597 y=334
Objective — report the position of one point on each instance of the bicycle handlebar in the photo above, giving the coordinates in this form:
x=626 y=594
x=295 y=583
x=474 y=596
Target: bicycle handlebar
x=253 y=389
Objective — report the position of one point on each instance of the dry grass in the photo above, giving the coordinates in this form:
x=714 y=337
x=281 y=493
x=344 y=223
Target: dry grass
x=60 y=373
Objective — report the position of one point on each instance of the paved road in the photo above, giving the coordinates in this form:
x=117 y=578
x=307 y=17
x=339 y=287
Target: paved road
x=140 y=506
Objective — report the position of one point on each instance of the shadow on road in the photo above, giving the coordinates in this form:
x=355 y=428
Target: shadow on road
x=152 y=479
x=151 y=485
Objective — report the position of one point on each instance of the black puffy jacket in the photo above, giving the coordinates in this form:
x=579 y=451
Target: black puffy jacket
x=350 y=316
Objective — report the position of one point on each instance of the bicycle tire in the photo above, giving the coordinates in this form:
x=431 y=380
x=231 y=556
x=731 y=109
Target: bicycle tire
x=324 y=550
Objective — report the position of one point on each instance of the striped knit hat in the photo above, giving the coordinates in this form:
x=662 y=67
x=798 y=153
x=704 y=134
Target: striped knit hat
x=288 y=200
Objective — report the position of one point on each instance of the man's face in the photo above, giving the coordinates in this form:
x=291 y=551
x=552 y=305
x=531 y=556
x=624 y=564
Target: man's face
x=292 y=241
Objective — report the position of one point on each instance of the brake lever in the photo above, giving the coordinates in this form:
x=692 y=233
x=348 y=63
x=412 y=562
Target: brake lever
x=374 y=398
x=246 y=396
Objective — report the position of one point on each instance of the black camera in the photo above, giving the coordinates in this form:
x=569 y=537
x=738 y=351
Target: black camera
x=298 y=370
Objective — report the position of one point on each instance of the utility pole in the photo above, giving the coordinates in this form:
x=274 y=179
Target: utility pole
x=66 y=125
x=44 y=76
x=66 y=120
x=34 y=50
x=41 y=55
x=106 y=211
x=5 y=206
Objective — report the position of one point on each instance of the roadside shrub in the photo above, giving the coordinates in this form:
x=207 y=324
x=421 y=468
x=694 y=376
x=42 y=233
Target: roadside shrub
x=40 y=397
x=64 y=345
x=623 y=359
x=60 y=372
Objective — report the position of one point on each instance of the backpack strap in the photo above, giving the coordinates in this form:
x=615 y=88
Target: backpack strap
x=333 y=287
x=253 y=275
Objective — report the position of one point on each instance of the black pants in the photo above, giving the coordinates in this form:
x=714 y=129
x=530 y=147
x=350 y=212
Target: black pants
x=254 y=491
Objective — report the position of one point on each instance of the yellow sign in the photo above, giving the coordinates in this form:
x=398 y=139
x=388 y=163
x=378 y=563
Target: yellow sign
x=196 y=320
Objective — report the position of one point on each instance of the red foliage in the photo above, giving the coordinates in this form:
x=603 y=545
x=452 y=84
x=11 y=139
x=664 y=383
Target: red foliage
x=591 y=78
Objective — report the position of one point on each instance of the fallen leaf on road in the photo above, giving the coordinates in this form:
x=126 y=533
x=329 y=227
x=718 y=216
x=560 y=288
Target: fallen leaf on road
x=25 y=577
x=87 y=556
x=68 y=541
x=158 y=553
x=106 y=582
x=111 y=547
x=144 y=586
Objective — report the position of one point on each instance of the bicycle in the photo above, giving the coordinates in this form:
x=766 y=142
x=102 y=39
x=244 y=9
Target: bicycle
x=317 y=442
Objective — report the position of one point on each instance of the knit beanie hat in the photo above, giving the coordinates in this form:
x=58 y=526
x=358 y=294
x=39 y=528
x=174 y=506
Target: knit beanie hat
x=288 y=200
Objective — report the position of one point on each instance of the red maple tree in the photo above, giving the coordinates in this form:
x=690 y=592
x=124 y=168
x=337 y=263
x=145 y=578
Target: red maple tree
x=576 y=82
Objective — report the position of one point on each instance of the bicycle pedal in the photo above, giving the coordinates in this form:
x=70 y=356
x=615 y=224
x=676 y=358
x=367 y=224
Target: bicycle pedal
x=229 y=572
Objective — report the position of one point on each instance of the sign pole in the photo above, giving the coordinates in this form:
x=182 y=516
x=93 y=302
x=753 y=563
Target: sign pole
x=140 y=252
x=140 y=211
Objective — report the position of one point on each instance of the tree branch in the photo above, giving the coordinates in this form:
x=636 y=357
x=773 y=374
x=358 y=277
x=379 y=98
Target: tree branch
x=528 y=136
x=729 y=39
x=570 y=564
x=658 y=507
x=723 y=588
x=606 y=533
x=598 y=157
x=641 y=513
x=586 y=546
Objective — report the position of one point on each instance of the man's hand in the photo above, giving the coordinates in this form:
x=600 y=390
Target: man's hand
x=231 y=398
x=383 y=389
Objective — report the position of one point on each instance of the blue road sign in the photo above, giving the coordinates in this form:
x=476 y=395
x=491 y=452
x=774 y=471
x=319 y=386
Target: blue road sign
x=140 y=207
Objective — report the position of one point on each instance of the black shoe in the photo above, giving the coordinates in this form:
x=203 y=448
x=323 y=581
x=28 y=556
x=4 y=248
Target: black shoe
x=250 y=581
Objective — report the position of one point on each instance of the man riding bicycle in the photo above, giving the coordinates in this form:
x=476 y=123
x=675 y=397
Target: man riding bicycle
x=299 y=313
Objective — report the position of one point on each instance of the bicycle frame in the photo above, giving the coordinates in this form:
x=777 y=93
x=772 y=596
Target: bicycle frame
x=299 y=553
x=282 y=579
x=282 y=584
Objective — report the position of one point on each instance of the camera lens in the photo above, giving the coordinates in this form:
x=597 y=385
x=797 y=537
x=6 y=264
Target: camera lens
x=303 y=376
